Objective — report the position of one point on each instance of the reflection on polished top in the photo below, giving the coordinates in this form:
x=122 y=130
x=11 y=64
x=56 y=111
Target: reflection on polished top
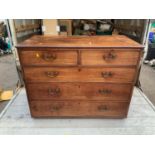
x=116 y=41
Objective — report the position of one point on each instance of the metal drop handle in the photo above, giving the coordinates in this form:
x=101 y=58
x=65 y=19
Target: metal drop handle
x=55 y=91
x=52 y=74
x=109 y=56
x=49 y=57
x=104 y=91
x=106 y=74
x=55 y=108
x=102 y=108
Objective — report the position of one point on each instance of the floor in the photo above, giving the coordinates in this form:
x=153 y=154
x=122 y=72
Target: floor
x=16 y=119
x=8 y=75
x=147 y=79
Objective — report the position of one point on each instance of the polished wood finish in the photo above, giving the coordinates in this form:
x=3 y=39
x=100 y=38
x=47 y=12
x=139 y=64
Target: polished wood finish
x=117 y=41
x=78 y=91
x=78 y=108
x=110 y=57
x=79 y=76
x=52 y=57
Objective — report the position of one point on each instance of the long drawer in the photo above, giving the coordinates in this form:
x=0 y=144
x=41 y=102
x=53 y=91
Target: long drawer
x=110 y=57
x=78 y=108
x=81 y=91
x=74 y=74
x=51 y=57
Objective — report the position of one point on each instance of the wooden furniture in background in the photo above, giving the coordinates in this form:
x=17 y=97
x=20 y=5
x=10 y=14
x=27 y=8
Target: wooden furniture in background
x=79 y=76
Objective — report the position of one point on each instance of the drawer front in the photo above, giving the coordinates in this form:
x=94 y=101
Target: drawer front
x=78 y=108
x=48 y=57
x=73 y=74
x=107 y=57
x=81 y=91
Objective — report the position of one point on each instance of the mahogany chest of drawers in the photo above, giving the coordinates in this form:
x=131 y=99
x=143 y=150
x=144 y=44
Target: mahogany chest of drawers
x=79 y=76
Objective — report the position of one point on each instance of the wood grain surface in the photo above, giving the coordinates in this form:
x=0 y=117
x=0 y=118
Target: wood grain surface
x=114 y=41
x=79 y=76
x=110 y=57
x=51 y=57
x=78 y=108
x=79 y=91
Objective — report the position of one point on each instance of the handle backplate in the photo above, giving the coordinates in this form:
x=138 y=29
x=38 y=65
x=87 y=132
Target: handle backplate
x=109 y=56
x=102 y=108
x=55 y=91
x=49 y=56
x=56 y=107
x=106 y=74
x=52 y=74
x=104 y=91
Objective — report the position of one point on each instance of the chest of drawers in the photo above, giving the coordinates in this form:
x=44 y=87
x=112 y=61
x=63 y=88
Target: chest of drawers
x=79 y=76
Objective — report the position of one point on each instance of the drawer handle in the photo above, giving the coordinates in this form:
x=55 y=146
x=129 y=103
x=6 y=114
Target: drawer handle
x=55 y=91
x=49 y=57
x=104 y=91
x=106 y=74
x=56 y=108
x=109 y=56
x=52 y=74
x=102 y=108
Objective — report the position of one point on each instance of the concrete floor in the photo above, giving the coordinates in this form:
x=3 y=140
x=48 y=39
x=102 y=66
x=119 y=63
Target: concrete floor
x=9 y=78
x=8 y=75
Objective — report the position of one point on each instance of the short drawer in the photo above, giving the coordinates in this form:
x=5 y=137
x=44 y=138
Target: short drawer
x=74 y=74
x=110 y=57
x=51 y=58
x=78 y=109
x=81 y=91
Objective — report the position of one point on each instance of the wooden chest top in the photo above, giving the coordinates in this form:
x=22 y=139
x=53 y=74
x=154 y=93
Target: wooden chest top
x=115 y=41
